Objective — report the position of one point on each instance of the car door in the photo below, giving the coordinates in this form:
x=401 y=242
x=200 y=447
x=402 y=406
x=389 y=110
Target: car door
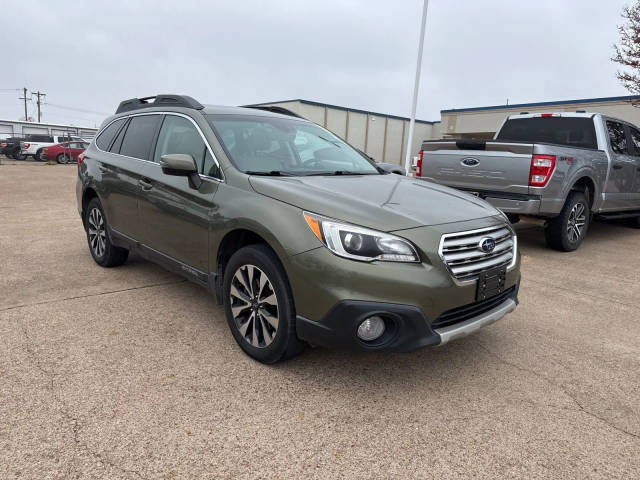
x=174 y=216
x=122 y=167
x=620 y=185
x=634 y=140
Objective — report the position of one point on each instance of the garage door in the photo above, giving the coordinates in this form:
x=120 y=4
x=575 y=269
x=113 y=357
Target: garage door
x=6 y=131
x=35 y=130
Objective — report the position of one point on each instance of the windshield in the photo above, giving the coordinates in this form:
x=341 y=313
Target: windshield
x=271 y=145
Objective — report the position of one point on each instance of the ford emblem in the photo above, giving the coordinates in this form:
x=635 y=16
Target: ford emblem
x=487 y=244
x=470 y=161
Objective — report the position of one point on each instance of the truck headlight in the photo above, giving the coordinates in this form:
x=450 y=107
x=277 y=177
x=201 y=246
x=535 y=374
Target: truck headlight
x=358 y=243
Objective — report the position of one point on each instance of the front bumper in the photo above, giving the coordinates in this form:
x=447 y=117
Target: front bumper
x=407 y=328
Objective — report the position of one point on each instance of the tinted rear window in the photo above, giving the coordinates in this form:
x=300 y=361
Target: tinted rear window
x=570 y=131
x=106 y=136
x=139 y=136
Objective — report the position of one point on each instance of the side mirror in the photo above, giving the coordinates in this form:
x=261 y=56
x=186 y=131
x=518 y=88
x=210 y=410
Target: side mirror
x=181 y=165
x=391 y=168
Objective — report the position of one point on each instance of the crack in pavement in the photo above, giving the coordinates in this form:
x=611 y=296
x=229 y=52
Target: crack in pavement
x=562 y=388
x=64 y=410
x=45 y=302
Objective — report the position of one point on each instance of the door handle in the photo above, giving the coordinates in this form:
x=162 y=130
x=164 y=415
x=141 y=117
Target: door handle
x=145 y=184
x=617 y=166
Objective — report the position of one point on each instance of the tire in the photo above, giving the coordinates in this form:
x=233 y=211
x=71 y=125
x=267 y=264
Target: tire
x=567 y=231
x=102 y=250
x=634 y=222
x=256 y=287
x=38 y=156
x=19 y=156
x=62 y=159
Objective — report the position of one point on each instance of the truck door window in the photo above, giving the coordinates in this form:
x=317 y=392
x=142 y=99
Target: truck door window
x=635 y=141
x=617 y=137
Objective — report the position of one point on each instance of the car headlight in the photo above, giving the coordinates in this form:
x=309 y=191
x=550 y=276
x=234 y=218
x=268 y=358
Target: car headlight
x=359 y=243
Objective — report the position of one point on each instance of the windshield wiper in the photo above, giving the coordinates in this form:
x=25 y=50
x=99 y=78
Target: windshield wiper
x=270 y=173
x=341 y=172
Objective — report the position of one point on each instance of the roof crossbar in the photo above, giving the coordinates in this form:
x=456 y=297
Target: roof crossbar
x=165 y=100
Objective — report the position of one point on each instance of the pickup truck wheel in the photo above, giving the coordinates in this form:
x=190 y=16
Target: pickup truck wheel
x=259 y=305
x=102 y=250
x=62 y=158
x=567 y=231
x=19 y=156
x=38 y=156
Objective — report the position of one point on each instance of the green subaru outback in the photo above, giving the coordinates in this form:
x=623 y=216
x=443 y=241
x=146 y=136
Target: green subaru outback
x=301 y=237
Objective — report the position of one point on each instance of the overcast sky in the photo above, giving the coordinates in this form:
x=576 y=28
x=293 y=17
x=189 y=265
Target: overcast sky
x=356 y=53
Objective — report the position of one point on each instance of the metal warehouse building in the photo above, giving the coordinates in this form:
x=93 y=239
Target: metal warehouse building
x=381 y=136
x=483 y=122
x=16 y=128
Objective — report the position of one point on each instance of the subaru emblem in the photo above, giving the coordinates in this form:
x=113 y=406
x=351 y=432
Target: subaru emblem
x=470 y=161
x=487 y=244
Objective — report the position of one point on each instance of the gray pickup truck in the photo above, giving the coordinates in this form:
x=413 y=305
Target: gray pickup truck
x=557 y=169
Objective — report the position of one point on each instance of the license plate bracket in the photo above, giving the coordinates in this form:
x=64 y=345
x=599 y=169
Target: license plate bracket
x=491 y=283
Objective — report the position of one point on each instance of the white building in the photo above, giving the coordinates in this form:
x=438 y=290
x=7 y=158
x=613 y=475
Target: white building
x=17 y=128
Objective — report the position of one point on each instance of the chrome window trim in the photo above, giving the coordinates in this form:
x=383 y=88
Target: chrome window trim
x=177 y=114
x=514 y=239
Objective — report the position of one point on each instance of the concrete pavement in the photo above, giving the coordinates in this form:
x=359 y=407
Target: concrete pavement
x=132 y=372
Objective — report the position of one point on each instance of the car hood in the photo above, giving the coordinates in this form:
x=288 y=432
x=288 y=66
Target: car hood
x=383 y=202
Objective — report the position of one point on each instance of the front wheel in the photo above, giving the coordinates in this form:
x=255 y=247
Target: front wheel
x=20 y=156
x=567 y=231
x=102 y=250
x=259 y=305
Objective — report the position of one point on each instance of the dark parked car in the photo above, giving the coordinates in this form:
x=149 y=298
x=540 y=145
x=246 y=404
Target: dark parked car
x=298 y=235
x=11 y=148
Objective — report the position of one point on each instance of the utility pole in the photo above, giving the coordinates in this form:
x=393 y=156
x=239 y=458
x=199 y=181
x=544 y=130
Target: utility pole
x=24 y=97
x=416 y=86
x=38 y=94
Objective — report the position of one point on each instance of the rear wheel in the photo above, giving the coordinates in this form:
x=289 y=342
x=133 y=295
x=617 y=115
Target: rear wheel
x=567 y=231
x=102 y=250
x=259 y=305
x=19 y=156
x=38 y=155
x=62 y=158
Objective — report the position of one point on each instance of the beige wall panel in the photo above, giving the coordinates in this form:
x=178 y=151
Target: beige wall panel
x=337 y=121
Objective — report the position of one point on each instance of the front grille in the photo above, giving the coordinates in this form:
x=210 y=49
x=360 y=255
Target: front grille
x=465 y=259
x=460 y=314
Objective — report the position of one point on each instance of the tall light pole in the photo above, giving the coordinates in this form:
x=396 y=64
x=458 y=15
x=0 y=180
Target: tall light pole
x=416 y=87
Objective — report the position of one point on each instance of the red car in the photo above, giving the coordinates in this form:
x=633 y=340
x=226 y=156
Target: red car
x=64 y=152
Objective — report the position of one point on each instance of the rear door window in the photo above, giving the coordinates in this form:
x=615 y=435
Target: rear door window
x=138 y=138
x=617 y=137
x=115 y=146
x=569 y=131
x=106 y=136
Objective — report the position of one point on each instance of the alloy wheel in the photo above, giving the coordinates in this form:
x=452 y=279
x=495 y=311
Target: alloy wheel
x=254 y=306
x=97 y=233
x=576 y=223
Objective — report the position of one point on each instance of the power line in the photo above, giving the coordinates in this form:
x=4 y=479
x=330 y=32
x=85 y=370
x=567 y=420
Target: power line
x=82 y=110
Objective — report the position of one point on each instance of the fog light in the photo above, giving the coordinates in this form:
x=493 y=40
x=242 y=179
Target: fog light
x=371 y=329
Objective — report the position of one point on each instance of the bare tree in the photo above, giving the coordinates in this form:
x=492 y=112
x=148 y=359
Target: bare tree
x=627 y=53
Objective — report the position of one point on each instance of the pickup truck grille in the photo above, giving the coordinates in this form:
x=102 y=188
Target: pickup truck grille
x=465 y=258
